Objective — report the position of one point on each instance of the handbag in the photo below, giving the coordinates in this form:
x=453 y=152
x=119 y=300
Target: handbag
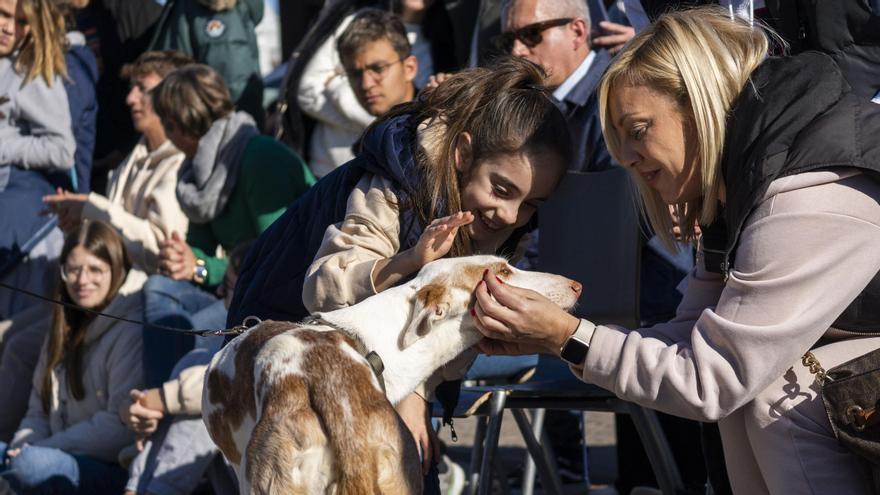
x=851 y=394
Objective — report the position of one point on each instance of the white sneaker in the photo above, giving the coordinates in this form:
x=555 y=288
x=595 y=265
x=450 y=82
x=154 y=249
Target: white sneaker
x=451 y=477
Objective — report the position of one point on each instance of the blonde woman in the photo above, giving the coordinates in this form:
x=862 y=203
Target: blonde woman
x=776 y=160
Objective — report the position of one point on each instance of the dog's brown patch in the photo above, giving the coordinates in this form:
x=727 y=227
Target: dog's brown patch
x=315 y=410
x=433 y=293
x=234 y=397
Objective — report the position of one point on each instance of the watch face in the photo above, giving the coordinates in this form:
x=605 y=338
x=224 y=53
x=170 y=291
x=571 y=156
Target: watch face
x=574 y=351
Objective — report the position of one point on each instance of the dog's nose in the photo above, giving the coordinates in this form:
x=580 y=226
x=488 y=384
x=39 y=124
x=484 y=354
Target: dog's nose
x=576 y=287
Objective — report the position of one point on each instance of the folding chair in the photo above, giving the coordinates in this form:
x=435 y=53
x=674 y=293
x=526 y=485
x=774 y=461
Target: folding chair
x=589 y=231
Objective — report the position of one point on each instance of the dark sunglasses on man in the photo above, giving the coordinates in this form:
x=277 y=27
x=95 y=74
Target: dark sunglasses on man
x=531 y=35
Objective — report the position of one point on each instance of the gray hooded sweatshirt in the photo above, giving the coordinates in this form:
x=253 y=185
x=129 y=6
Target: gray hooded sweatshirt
x=35 y=129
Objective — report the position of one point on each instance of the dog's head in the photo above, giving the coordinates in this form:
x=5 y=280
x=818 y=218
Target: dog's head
x=444 y=291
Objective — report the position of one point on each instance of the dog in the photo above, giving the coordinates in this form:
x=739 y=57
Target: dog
x=297 y=408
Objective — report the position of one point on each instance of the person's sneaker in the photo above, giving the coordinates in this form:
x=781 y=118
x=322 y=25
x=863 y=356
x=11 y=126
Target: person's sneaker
x=451 y=476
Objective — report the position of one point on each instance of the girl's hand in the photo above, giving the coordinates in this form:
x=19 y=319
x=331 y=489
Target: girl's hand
x=413 y=410
x=438 y=237
x=525 y=320
x=176 y=258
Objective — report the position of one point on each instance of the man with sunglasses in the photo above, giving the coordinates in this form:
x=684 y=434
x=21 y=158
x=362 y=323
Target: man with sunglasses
x=556 y=35
x=378 y=60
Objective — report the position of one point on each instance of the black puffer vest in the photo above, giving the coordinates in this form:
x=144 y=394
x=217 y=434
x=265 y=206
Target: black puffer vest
x=796 y=115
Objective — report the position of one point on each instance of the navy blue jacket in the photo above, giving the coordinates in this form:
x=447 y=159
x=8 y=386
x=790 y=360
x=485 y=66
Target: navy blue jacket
x=581 y=109
x=82 y=70
x=271 y=278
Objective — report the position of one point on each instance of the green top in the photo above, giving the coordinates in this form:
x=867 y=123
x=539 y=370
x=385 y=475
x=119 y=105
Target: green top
x=270 y=178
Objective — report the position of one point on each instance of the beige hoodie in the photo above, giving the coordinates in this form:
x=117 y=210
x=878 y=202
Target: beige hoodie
x=809 y=248
x=112 y=366
x=142 y=203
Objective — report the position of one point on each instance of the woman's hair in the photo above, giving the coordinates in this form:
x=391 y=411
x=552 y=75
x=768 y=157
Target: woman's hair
x=69 y=326
x=42 y=51
x=505 y=108
x=191 y=98
x=702 y=59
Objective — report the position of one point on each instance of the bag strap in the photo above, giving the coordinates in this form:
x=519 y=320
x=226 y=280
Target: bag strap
x=809 y=360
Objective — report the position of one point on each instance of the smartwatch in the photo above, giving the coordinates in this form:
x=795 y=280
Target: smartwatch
x=200 y=272
x=574 y=350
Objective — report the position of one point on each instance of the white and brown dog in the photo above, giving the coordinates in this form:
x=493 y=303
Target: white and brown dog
x=298 y=409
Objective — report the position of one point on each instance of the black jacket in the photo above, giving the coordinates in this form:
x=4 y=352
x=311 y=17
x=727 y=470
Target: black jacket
x=797 y=114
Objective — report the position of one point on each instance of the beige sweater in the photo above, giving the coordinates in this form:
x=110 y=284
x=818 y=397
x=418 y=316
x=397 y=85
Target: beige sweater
x=142 y=203
x=804 y=254
x=342 y=273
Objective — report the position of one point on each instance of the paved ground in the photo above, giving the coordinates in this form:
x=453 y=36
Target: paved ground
x=600 y=442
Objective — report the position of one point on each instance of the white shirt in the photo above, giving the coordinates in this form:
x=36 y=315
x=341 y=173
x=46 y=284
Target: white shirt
x=575 y=77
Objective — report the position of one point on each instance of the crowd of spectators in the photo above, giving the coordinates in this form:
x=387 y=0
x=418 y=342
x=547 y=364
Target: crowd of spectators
x=403 y=131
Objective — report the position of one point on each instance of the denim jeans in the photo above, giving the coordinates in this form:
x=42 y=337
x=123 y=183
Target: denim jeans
x=175 y=304
x=43 y=470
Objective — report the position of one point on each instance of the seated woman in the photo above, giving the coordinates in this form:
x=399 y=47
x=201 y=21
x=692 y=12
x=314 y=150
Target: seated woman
x=774 y=157
x=233 y=184
x=460 y=170
x=69 y=440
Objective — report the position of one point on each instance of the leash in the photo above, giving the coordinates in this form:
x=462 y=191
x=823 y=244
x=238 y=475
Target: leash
x=236 y=330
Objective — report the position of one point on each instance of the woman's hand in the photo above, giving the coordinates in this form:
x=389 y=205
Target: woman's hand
x=414 y=412
x=143 y=413
x=438 y=237
x=525 y=321
x=176 y=258
x=68 y=206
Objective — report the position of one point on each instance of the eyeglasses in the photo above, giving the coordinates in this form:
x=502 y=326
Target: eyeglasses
x=93 y=273
x=376 y=71
x=530 y=35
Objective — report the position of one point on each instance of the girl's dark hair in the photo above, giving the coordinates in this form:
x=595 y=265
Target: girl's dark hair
x=69 y=326
x=505 y=108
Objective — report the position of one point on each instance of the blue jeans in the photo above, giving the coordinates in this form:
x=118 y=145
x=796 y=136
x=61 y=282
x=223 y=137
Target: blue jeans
x=175 y=304
x=38 y=470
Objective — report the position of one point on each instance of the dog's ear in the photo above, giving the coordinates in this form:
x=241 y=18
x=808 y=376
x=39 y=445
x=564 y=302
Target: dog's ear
x=430 y=306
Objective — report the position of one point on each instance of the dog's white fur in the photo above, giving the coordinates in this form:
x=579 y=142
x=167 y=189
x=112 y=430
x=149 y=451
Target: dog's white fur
x=296 y=409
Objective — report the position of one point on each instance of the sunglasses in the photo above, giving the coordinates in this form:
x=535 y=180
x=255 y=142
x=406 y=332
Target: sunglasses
x=530 y=35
